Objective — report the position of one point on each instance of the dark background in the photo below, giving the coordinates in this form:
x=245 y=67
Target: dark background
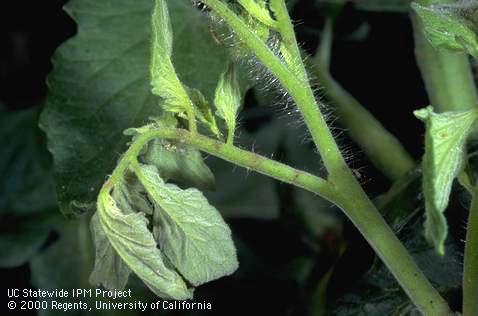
x=379 y=70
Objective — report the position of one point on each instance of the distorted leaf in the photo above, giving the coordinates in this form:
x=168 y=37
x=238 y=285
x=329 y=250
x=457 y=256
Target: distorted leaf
x=193 y=234
x=445 y=139
x=451 y=25
x=110 y=270
x=180 y=163
x=133 y=242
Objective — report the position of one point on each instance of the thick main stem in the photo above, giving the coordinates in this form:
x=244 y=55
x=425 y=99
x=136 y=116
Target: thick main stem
x=352 y=199
x=388 y=247
x=298 y=88
x=470 y=274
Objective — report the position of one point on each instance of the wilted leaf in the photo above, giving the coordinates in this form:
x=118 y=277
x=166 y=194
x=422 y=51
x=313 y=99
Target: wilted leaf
x=109 y=270
x=100 y=86
x=445 y=138
x=193 y=234
x=182 y=164
x=451 y=25
x=134 y=243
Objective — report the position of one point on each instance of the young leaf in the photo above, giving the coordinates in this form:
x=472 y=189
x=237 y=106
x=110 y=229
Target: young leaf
x=228 y=99
x=134 y=243
x=445 y=138
x=204 y=112
x=450 y=26
x=180 y=163
x=164 y=80
x=193 y=235
x=110 y=270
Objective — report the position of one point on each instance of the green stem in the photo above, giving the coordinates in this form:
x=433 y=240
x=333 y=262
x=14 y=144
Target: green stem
x=237 y=156
x=299 y=89
x=470 y=275
x=447 y=75
x=363 y=213
x=383 y=148
x=351 y=198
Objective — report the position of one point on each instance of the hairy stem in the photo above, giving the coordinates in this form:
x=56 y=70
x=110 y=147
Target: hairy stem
x=470 y=275
x=228 y=152
x=351 y=197
x=298 y=88
x=383 y=148
x=447 y=75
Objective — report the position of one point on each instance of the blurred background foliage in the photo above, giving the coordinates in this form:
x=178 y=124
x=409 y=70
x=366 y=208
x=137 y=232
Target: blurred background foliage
x=298 y=255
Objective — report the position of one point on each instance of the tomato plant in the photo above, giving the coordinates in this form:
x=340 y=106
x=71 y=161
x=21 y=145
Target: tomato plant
x=147 y=89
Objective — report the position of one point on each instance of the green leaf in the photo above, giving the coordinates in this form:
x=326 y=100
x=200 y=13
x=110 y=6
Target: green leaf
x=228 y=99
x=67 y=263
x=27 y=193
x=100 y=86
x=445 y=139
x=451 y=26
x=109 y=270
x=134 y=243
x=25 y=165
x=258 y=10
x=164 y=80
x=179 y=163
x=193 y=234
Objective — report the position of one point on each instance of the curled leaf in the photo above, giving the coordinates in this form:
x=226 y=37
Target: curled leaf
x=445 y=139
x=192 y=233
x=129 y=235
x=110 y=270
